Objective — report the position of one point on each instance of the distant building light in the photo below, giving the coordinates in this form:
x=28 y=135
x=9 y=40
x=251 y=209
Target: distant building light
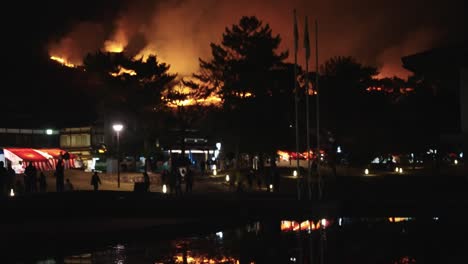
x=397 y=169
x=455 y=162
x=227 y=178
x=218 y=146
x=164 y=188
x=295 y=173
x=366 y=171
x=12 y=192
x=49 y=131
x=324 y=222
x=401 y=170
x=338 y=149
x=461 y=155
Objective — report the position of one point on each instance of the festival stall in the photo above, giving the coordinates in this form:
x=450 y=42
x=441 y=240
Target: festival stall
x=55 y=154
x=21 y=157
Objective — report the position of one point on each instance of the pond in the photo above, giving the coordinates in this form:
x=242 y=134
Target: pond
x=392 y=240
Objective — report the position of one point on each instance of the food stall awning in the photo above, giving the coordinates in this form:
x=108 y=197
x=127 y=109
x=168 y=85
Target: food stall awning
x=23 y=156
x=54 y=154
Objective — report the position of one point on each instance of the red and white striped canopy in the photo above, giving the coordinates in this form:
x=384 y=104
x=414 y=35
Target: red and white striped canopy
x=55 y=154
x=42 y=159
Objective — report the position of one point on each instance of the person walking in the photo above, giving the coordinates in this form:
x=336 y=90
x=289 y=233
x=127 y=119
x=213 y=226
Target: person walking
x=95 y=181
x=146 y=181
x=189 y=180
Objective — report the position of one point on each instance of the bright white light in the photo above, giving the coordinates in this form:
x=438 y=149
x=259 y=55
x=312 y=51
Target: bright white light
x=323 y=222
x=455 y=162
x=215 y=172
x=461 y=155
x=220 y=235
x=227 y=178
x=338 y=149
x=366 y=171
x=164 y=188
x=435 y=218
x=218 y=146
x=401 y=170
x=117 y=127
x=12 y=192
x=49 y=131
x=295 y=173
x=271 y=187
x=292 y=259
x=397 y=169
x=340 y=221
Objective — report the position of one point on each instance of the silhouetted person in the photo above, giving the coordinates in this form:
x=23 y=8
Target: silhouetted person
x=178 y=183
x=189 y=180
x=68 y=186
x=250 y=177
x=11 y=178
x=95 y=181
x=59 y=175
x=42 y=182
x=202 y=167
x=146 y=181
x=30 y=178
x=3 y=178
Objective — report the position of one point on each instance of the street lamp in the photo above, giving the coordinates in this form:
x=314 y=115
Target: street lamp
x=117 y=128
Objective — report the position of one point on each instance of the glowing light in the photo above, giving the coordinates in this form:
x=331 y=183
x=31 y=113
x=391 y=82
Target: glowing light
x=455 y=162
x=398 y=219
x=49 y=131
x=227 y=178
x=12 y=192
x=220 y=235
x=117 y=127
x=164 y=189
x=295 y=173
x=401 y=170
x=271 y=187
x=283 y=155
x=62 y=61
x=123 y=71
x=323 y=222
x=397 y=169
x=338 y=149
x=366 y=171
x=340 y=221
x=215 y=172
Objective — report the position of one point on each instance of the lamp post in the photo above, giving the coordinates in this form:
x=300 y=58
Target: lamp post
x=117 y=128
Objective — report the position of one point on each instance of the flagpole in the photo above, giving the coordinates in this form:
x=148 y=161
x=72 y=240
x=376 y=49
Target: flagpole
x=296 y=101
x=317 y=112
x=307 y=56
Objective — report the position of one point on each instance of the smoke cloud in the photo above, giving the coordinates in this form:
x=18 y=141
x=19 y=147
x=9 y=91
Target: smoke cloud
x=180 y=31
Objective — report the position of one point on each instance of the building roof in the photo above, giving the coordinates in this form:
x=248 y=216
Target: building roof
x=439 y=59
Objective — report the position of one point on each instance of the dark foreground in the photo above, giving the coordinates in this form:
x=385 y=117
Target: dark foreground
x=41 y=222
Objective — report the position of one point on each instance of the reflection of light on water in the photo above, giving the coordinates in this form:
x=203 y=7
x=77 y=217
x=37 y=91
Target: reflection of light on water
x=202 y=259
x=119 y=254
x=308 y=225
x=398 y=219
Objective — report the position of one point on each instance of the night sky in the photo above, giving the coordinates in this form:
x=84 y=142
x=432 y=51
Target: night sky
x=179 y=31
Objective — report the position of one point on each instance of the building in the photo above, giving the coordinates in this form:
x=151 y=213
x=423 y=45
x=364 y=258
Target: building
x=29 y=138
x=446 y=69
